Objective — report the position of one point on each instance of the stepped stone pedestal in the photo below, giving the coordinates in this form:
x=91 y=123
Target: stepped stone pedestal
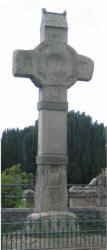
x=53 y=66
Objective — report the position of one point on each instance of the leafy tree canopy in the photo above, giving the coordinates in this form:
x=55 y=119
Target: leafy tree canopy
x=14 y=175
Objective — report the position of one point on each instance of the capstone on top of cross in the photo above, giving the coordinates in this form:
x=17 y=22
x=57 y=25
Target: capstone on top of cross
x=53 y=27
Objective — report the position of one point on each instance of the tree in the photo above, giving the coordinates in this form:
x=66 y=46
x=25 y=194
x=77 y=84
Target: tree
x=19 y=146
x=98 y=153
x=30 y=150
x=86 y=148
x=10 y=148
x=14 y=175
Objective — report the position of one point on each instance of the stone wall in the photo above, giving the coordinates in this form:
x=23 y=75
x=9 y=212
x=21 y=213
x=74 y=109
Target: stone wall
x=16 y=213
x=80 y=198
x=94 y=194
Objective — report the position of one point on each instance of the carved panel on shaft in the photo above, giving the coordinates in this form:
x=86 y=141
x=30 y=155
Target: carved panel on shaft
x=51 y=160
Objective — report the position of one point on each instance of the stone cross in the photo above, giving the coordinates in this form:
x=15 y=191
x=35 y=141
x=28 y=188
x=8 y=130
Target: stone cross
x=53 y=66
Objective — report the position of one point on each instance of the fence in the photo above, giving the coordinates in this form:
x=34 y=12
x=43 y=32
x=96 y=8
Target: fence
x=88 y=231
x=6 y=196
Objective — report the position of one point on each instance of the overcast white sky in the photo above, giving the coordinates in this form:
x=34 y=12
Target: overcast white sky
x=20 y=29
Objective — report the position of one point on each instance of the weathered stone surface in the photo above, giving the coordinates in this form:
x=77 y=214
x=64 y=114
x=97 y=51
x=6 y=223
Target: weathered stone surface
x=44 y=105
x=53 y=27
x=52 y=135
x=83 y=198
x=53 y=66
x=94 y=194
x=53 y=62
x=51 y=160
x=51 y=192
x=54 y=215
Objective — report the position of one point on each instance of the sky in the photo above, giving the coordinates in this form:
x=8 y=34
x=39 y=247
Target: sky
x=20 y=29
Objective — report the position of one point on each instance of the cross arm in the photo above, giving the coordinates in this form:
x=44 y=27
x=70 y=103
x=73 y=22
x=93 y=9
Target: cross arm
x=85 y=68
x=22 y=63
x=25 y=64
x=79 y=67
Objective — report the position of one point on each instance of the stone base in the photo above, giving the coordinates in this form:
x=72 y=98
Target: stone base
x=52 y=214
x=53 y=229
x=53 y=220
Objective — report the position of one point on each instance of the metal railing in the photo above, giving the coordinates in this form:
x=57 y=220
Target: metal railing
x=5 y=195
x=68 y=232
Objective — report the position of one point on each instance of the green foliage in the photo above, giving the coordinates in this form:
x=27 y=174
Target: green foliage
x=11 y=176
x=19 y=204
x=14 y=170
x=14 y=175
